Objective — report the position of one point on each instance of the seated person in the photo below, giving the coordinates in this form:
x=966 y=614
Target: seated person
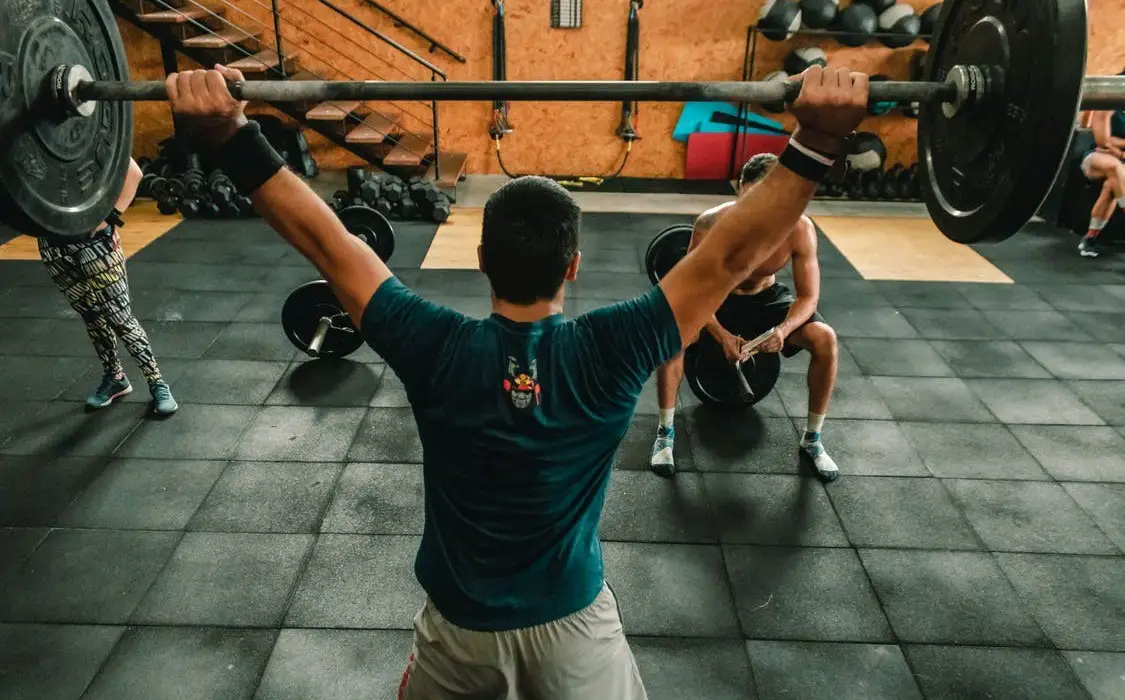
x=759 y=304
x=1104 y=163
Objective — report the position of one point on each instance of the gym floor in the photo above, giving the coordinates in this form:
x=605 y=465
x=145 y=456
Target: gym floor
x=259 y=544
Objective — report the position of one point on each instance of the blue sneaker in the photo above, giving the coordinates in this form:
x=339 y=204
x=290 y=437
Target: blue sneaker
x=111 y=389
x=162 y=402
x=662 y=462
x=825 y=466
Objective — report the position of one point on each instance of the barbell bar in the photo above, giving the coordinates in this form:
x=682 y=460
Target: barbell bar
x=999 y=97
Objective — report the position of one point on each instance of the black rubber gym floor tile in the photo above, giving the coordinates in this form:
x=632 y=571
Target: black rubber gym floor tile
x=40 y=378
x=36 y=304
x=770 y=406
x=846 y=365
x=626 y=226
x=215 y=307
x=387 y=435
x=279 y=497
x=636 y=447
x=237 y=249
x=642 y=507
x=333 y=664
x=804 y=594
x=1099 y=672
x=620 y=260
x=391 y=392
x=182 y=339
x=283 y=279
x=1079 y=297
x=261 y=307
x=1028 y=516
x=212 y=277
x=740 y=441
x=358 y=581
x=1075 y=453
x=53 y=662
x=611 y=286
x=377 y=499
x=959 y=673
x=250 y=341
x=49 y=337
x=143 y=494
x=1032 y=401
x=844 y=294
x=949 y=598
x=901 y=358
x=444 y=283
x=647 y=577
x=473 y=306
x=300 y=434
x=1105 y=503
x=1103 y=326
x=853 y=397
x=171 y=370
x=931 y=399
x=196 y=431
x=172 y=663
x=773 y=509
x=16 y=545
x=327 y=382
x=1077 y=360
x=871 y=448
x=901 y=513
x=831 y=671
x=1078 y=600
x=95 y=576
x=1004 y=297
x=972 y=451
x=230 y=382
x=675 y=668
x=874 y=322
x=65 y=427
x=989 y=358
x=952 y=324
x=923 y=295
x=24 y=273
x=228 y=580
x=1035 y=325
x=34 y=490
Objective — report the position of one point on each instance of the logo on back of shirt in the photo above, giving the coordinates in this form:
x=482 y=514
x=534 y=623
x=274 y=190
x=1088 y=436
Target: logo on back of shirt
x=522 y=387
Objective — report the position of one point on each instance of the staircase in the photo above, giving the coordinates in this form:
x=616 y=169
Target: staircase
x=396 y=138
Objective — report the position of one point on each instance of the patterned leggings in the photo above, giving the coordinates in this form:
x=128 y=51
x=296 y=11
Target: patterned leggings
x=91 y=275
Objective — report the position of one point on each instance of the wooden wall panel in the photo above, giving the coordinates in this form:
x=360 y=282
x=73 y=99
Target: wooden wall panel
x=680 y=40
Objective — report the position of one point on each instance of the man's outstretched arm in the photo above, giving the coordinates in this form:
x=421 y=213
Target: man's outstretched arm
x=832 y=104
x=286 y=203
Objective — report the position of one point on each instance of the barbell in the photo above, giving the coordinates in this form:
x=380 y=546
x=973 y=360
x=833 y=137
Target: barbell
x=1003 y=83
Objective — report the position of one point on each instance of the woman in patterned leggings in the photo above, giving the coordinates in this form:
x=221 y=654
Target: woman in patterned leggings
x=90 y=272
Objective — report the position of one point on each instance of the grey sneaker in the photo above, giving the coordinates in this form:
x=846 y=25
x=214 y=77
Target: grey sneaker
x=109 y=391
x=162 y=402
x=662 y=463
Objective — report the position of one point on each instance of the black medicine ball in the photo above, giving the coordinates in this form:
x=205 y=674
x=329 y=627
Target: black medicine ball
x=867 y=152
x=774 y=77
x=878 y=5
x=929 y=20
x=858 y=22
x=819 y=14
x=799 y=60
x=902 y=23
x=778 y=19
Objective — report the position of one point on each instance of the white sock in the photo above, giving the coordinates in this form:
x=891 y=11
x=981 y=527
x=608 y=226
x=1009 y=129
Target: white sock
x=814 y=425
x=667 y=415
x=1097 y=224
x=1121 y=203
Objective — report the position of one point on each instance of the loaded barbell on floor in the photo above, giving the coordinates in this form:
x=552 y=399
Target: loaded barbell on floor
x=1001 y=88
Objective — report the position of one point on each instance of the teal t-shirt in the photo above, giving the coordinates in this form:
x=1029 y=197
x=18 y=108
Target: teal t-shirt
x=520 y=423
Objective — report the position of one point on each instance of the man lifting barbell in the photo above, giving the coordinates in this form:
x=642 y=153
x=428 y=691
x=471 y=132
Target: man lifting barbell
x=1104 y=163
x=90 y=272
x=520 y=414
x=758 y=304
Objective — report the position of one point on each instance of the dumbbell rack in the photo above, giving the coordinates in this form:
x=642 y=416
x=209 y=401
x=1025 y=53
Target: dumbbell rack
x=750 y=51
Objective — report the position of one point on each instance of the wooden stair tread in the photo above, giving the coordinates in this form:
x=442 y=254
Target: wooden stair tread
x=374 y=129
x=305 y=75
x=181 y=16
x=219 y=39
x=452 y=166
x=411 y=149
x=259 y=62
x=332 y=111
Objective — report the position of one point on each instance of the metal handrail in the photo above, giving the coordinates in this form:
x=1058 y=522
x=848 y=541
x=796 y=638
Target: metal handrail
x=435 y=45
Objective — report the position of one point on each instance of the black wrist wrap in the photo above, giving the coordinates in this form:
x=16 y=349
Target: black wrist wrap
x=802 y=160
x=248 y=159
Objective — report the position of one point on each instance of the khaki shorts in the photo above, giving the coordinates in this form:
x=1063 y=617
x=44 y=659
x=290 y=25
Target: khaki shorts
x=581 y=656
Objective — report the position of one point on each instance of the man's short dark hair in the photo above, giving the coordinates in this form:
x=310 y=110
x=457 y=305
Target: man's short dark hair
x=529 y=238
x=756 y=168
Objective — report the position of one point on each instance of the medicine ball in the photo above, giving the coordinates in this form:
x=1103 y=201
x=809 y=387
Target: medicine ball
x=867 y=153
x=799 y=60
x=819 y=14
x=779 y=18
x=776 y=76
x=858 y=22
x=910 y=110
x=878 y=109
x=929 y=20
x=902 y=23
x=879 y=6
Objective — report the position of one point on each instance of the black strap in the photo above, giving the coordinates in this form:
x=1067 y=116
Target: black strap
x=501 y=121
x=627 y=130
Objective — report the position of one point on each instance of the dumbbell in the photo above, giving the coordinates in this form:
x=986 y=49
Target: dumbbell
x=229 y=210
x=441 y=209
x=340 y=199
x=245 y=206
x=853 y=184
x=383 y=206
x=194 y=182
x=393 y=189
x=424 y=191
x=891 y=182
x=221 y=188
x=370 y=191
x=407 y=209
x=191 y=208
x=209 y=210
x=873 y=184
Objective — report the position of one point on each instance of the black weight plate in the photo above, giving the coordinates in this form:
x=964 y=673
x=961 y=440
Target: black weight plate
x=302 y=311
x=986 y=171
x=712 y=379
x=666 y=249
x=59 y=175
x=371 y=227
